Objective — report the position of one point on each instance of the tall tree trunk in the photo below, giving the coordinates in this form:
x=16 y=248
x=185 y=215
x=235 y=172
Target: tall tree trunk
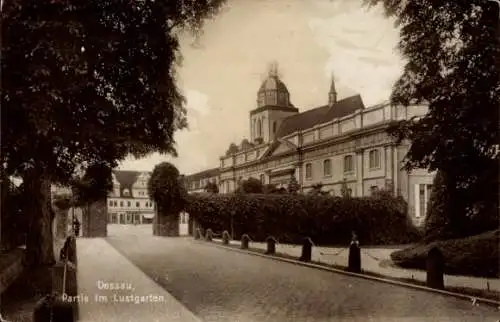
x=39 y=240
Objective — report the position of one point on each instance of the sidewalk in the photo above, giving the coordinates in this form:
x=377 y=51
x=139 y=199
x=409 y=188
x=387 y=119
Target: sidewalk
x=377 y=260
x=101 y=267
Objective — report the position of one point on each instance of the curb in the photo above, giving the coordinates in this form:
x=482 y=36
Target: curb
x=476 y=300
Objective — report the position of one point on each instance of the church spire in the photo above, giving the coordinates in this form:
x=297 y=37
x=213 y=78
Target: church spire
x=273 y=69
x=332 y=95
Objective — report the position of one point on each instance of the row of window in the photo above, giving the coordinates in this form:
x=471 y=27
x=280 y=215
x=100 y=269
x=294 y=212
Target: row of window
x=374 y=163
x=126 y=193
x=114 y=203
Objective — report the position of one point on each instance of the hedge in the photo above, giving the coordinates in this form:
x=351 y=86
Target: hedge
x=327 y=220
x=475 y=255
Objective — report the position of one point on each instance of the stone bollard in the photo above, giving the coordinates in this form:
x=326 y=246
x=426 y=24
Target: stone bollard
x=209 y=235
x=307 y=245
x=225 y=237
x=271 y=245
x=354 y=264
x=245 y=240
x=435 y=269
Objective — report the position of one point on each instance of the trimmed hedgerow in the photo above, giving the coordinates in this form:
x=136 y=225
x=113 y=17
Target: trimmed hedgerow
x=327 y=220
x=475 y=255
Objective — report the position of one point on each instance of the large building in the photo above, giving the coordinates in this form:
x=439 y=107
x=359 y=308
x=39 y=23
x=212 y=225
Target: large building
x=129 y=202
x=343 y=141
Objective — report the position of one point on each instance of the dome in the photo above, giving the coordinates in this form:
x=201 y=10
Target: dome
x=273 y=83
x=273 y=91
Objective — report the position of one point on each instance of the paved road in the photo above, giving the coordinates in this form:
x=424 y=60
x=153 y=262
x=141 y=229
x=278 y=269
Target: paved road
x=222 y=285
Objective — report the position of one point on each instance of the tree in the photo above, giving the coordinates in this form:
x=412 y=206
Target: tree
x=452 y=52
x=87 y=82
x=95 y=184
x=437 y=219
x=317 y=190
x=270 y=188
x=212 y=187
x=251 y=185
x=344 y=190
x=166 y=189
x=293 y=186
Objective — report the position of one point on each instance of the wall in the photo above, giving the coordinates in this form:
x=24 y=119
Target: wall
x=95 y=220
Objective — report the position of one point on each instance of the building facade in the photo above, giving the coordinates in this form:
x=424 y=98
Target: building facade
x=129 y=202
x=341 y=142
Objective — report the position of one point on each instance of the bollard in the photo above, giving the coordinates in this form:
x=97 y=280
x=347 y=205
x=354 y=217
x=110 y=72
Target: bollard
x=209 y=235
x=354 y=264
x=225 y=237
x=245 y=240
x=435 y=269
x=271 y=245
x=307 y=245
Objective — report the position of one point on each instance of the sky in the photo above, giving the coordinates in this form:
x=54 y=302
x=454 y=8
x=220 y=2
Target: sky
x=222 y=70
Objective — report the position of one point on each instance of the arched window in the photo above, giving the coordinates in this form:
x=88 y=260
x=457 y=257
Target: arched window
x=374 y=158
x=348 y=163
x=275 y=126
x=126 y=192
x=327 y=167
x=309 y=171
x=259 y=128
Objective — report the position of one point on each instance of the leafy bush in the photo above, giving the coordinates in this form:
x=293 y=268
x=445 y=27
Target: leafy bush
x=212 y=187
x=63 y=202
x=166 y=188
x=475 y=255
x=327 y=220
x=251 y=185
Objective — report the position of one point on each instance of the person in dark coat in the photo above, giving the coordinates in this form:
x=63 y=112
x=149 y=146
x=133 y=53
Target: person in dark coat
x=76 y=227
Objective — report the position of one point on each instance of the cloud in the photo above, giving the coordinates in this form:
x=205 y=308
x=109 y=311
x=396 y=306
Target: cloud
x=310 y=39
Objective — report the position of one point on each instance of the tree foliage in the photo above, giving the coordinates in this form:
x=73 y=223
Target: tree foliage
x=293 y=186
x=272 y=188
x=344 y=190
x=212 y=187
x=63 y=202
x=166 y=188
x=317 y=190
x=452 y=52
x=88 y=82
x=251 y=185
x=95 y=184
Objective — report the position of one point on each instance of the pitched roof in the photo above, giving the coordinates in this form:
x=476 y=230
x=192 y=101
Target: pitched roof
x=203 y=174
x=318 y=115
x=126 y=179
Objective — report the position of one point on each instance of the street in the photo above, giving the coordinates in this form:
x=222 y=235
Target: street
x=222 y=285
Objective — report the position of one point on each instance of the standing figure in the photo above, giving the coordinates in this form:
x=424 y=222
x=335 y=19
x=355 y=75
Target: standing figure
x=76 y=227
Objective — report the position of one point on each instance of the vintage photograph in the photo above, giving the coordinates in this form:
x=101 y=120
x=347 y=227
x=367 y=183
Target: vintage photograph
x=250 y=160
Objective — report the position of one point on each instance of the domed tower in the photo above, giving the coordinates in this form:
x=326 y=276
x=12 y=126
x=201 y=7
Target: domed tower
x=273 y=105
